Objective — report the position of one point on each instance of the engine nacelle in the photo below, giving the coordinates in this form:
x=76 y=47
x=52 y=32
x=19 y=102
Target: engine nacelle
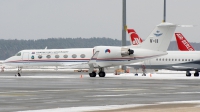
x=110 y=55
x=126 y=51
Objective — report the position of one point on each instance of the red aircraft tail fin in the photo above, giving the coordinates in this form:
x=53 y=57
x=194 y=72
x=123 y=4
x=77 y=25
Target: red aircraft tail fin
x=183 y=44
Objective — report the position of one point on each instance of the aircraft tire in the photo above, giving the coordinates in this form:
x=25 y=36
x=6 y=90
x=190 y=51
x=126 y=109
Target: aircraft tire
x=196 y=74
x=19 y=74
x=188 y=75
x=136 y=74
x=93 y=74
x=102 y=74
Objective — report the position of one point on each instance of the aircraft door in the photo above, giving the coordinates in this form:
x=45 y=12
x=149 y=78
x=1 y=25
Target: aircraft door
x=25 y=58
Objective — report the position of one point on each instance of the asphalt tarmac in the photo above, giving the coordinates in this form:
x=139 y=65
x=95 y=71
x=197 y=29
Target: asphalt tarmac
x=36 y=91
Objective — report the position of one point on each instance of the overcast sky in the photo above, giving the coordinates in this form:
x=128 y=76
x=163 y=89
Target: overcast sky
x=39 y=19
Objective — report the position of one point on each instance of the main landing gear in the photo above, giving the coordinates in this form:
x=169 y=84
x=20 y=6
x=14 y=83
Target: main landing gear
x=143 y=71
x=143 y=74
x=93 y=74
x=101 y=73
x=188 y=74
x=196 y=74
x=19 y=71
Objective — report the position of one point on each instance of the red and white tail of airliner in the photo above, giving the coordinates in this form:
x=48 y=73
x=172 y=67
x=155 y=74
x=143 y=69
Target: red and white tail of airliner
x=135 y=39
x=183 y=44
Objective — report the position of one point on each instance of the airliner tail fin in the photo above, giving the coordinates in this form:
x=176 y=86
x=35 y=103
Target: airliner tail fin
x=182 y=43
x=134 y=38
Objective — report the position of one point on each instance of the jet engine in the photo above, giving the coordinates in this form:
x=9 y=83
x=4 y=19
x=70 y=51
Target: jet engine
x=126 y=51
x=111 y=55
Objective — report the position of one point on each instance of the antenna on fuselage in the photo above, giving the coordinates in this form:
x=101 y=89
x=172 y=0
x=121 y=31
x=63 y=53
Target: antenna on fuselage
x=45 y=47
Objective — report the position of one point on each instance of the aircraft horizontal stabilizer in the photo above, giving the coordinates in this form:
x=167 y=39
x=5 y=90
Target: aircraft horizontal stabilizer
x=186 y=25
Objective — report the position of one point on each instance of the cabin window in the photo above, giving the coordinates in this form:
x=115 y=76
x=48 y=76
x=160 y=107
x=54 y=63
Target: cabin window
x=74 y=56
x=185 y=59
x=179 y=59
x=56 y=56
x=182 y=59
x=172 y=59
x=160 y=59
x=166 y=59
x=48 y=56
x=40 y=56
x=175 y=59
x=65 y=56
x=192 y=59
x=18 y=54
x=163 y=59
x=169 y=59
x=82 y=56
x=188 y=59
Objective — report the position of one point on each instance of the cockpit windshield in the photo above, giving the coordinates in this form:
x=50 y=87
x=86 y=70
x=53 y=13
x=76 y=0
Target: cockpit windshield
x=18 y=54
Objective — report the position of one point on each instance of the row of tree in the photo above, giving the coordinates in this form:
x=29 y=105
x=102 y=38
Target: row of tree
x=10 y=47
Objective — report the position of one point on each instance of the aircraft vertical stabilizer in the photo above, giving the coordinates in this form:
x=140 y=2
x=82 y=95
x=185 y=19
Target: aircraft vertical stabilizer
x=134 y=38
x=182 y=43
x=160 y=37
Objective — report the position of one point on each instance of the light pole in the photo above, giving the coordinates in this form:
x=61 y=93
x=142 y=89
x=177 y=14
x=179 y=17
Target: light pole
x=123 y=27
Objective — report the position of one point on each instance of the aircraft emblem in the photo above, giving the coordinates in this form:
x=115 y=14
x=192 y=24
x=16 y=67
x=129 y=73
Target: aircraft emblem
x=32 y=57
x=107 y=50
x=180 y=36
x=157 y=34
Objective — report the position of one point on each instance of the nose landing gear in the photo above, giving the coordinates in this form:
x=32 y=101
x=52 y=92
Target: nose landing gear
x=19 y=71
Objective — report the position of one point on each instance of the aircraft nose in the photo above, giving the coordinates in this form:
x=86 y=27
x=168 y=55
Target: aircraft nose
x=1 y=62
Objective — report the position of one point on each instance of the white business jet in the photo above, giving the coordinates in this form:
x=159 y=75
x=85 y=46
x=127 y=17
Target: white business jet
x=100 y=56
x=185 y=60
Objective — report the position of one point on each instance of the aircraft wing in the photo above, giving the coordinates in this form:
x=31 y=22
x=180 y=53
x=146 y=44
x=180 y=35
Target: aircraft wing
x=183 y=68
x=77 y=65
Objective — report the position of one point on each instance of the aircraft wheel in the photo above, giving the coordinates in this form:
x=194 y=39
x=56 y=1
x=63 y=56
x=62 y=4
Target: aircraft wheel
x=136 y=74
x=196 y=74
x=93 y=74
x=102 y=74
x=188 y=74
x=19 y=74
